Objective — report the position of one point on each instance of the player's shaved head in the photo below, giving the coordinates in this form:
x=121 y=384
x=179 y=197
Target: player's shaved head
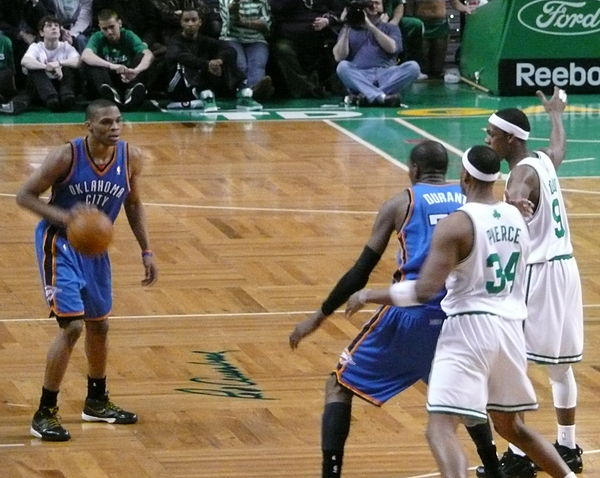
x=430 y=157
x=92 y=109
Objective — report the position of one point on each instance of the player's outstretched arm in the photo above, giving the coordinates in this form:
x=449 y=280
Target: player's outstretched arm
x=358 y=275
x=555 y=106
x=136 y=216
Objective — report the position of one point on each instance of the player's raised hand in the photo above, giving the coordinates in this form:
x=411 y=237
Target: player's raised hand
x=556 y=103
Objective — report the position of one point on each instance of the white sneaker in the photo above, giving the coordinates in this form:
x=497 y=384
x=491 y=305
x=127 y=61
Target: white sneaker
x=208 y=98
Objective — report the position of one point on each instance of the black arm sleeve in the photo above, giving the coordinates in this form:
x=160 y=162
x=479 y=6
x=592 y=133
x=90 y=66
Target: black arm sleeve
x=355 y=279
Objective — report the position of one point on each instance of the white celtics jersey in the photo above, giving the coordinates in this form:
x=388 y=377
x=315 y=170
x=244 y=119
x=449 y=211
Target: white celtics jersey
x=549 y=227
x=492 y=278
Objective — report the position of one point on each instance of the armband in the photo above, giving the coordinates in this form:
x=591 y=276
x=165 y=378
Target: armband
x=355 y=279
x=404 y=293
x=147 y=253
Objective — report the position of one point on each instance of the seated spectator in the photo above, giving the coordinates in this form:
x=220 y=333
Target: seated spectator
x=246 y=25
x=367 y=51
x=19 y=20
x=139 y=16
x=201 y=66
x=304 y=34
x=170 y=16
x=434 y=15
x=50 y=65
x=142 y=17
x=7 y=73
x=75 y=17
x=115 y=62
x=410 y=27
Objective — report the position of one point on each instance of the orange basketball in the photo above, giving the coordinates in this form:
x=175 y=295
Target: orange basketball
x=90 y=231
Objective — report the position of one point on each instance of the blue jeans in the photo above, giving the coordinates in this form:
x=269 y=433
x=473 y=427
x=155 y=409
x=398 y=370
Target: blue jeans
x=251 y=60
x=375 y=82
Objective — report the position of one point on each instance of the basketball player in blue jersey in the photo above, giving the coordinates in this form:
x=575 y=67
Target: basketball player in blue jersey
x=98 y=171
x=479 y=254
x=554 y=326
x=395 y=348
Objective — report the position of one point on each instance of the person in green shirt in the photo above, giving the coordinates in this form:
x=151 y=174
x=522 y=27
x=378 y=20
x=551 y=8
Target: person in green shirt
x=7 y=69
x=116 y=61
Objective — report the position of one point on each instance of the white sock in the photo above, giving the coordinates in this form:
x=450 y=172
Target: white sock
x=571 y=475
x=565 y=436
x=516 y=450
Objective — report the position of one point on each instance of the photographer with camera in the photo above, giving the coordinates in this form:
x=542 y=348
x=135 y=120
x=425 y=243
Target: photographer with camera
x=367 y=52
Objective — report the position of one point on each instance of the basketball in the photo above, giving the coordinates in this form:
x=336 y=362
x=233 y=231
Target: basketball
x=90 y=231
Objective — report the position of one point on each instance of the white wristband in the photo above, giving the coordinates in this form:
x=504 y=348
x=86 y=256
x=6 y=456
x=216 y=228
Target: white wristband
x=404 y=293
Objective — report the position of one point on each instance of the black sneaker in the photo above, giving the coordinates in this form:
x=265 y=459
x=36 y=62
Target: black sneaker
x=46 y=425
x=104 y=410
x=481 y=472
x=392 y=100
x=571 y=456
x=109 y=93
x=517 y=466
x=135 y=95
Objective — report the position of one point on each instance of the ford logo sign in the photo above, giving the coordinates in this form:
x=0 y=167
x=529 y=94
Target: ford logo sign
x=561 y=17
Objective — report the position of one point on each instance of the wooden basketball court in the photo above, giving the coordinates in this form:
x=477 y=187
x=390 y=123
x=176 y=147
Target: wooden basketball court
x=252 y=222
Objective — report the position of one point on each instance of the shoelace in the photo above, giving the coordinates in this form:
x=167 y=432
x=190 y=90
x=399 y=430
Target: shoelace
x=111 y=406
x=53 y=420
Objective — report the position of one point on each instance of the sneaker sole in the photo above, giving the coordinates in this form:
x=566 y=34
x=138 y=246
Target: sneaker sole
x=91 y=418
x=248 y=108
x=37 y=434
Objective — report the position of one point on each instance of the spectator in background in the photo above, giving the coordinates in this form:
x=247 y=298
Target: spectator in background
x=116 y=61
x=410 y=27
x=50 y=65
x=245 y=27
x=19 y=20
x=139 y=16
x=142 y=17
x=434 y=15
x=304 y=34
x=200 y=66
x=7 y=74
x=75 y=17
x=367 y=51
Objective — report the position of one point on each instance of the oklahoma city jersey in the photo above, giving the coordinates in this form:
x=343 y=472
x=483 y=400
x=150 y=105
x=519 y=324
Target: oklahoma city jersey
x=428 y=204
x=492 y=278
x=549 y=227
x=105 y=188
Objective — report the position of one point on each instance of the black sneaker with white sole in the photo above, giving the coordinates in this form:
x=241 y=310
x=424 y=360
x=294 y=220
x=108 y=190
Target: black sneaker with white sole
x=46 y=425
x=135 y=95
x=104 y=410
x=107 y=92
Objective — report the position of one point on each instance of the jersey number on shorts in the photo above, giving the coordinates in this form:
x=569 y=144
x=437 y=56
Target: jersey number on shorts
x=503 y=274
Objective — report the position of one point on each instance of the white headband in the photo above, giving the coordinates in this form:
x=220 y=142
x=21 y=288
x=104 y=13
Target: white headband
x=473 y=171
x=508 y=127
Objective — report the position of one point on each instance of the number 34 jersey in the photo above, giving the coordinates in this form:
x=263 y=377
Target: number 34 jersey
x=549 y=228
x=491 y=279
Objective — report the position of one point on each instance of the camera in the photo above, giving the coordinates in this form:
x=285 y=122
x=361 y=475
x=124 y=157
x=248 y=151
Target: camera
x=355 y=12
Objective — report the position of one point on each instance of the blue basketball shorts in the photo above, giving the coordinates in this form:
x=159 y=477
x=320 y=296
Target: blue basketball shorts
x=74 y=285
x=393 y=351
